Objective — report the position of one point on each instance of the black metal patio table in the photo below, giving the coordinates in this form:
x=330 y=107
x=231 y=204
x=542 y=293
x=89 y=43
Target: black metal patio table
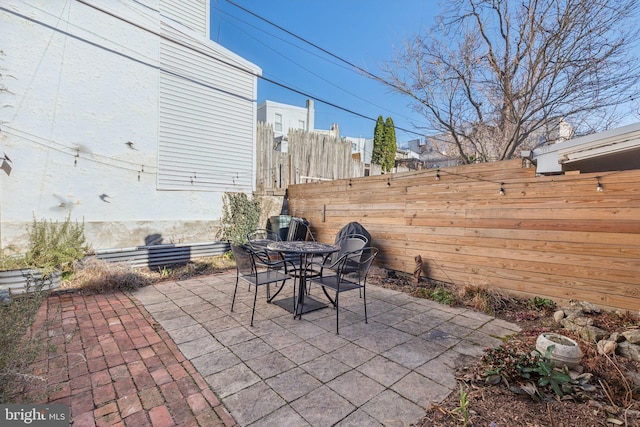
x=300 y=304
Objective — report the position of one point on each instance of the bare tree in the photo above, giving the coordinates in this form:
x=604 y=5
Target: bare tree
x=493 y=75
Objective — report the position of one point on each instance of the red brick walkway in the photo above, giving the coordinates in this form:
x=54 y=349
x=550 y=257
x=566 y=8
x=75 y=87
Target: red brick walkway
x=113 y=365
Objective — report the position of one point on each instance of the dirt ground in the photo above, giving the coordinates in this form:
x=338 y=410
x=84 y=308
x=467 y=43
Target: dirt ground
x=610 y=398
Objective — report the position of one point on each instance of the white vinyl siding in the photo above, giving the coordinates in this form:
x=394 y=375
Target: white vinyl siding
x=190 y=13
x=207 y=119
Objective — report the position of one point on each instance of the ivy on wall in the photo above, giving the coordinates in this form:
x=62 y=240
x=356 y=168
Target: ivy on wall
x=240 y=215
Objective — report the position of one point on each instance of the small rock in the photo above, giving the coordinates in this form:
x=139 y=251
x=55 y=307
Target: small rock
x=592 y=333
x=583 y=321
x=575 y=323
x=584 y=306
x=633 y=377
x=576 y=372
x=571 y=314
x=558 y=316
x=587 y=307
x=632 y=335
x=628 y=350
x=606 y=347
x=5 y=297
x=616 y=337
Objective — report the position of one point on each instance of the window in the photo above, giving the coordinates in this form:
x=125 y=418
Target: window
x=301 y=124
x=278 y=123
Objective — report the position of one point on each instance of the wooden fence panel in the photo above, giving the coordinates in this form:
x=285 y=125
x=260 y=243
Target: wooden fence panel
x=310 y=157
x=272 y=166
x=549 y=236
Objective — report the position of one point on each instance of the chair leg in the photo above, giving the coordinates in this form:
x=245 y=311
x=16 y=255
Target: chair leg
x=270 y=298
x=233 y=301
x=364 y=298
x=331 y=300
x=337 y=313
x=255 y=297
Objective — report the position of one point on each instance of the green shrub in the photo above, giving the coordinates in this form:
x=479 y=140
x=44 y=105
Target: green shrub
x=540 y=303
x=10 y=262
x=525 y=371
x=54 y=245
x=443 y=296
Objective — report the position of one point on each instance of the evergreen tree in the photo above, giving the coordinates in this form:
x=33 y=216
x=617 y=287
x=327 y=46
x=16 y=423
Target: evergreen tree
x=377 y=156
x=390 y=145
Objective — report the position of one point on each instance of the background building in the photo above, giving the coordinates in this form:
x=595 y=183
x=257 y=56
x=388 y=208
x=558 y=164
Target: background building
x=283 y=117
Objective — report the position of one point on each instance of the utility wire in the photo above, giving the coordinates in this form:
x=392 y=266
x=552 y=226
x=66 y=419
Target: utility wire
x=302 y=39
x=215 y=58
x=331 y=54
x=240 y=68
x=287 y=58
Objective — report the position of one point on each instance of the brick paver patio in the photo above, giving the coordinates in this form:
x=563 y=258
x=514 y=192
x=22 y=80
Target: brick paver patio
x=115 y=366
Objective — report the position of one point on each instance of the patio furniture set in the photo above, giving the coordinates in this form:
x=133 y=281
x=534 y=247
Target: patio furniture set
x=268 y=261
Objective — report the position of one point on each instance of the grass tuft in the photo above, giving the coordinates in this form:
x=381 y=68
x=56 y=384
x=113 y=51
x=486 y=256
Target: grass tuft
x=96 y=276
x=19 y=348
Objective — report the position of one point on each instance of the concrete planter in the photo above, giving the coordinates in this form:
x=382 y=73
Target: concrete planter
x=27 y=280
x=566 y=351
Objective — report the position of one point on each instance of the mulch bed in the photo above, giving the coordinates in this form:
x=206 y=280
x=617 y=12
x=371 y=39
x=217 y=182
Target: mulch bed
x=615 y=401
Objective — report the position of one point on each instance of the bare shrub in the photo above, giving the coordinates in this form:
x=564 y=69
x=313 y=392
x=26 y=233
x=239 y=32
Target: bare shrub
x=96 y=276
x=196 y=267
x=482 y=298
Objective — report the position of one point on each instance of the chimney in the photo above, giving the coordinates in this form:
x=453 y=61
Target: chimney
x=335 y=130
x=310 y=116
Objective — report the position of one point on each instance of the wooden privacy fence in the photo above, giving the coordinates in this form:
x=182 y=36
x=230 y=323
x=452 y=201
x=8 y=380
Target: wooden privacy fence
x=549 y=236
x=310 y=157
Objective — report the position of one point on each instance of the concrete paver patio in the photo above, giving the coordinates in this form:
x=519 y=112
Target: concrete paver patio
x=292 y=372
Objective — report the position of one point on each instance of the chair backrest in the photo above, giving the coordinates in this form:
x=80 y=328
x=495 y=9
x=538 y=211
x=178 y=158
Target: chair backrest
x=244 y=260
x=299 y=230
x=358 y=261
x=366 y=260
x=353 y=228
x=349 y=243
x=352 y=242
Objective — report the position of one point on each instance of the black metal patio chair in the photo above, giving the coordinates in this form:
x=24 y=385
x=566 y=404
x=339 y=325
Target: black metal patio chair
x=348 y=243
x=299 y=230
x=258 y=270
x=342 y=277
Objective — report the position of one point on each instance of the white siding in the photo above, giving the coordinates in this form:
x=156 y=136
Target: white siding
x=207 y=118
x=81 y=122
x=190 y=13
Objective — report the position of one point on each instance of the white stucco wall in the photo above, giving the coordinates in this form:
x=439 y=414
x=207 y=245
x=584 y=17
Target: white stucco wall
x=79 y=121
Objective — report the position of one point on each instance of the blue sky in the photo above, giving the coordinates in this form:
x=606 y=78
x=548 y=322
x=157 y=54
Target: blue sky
x=363 y=32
